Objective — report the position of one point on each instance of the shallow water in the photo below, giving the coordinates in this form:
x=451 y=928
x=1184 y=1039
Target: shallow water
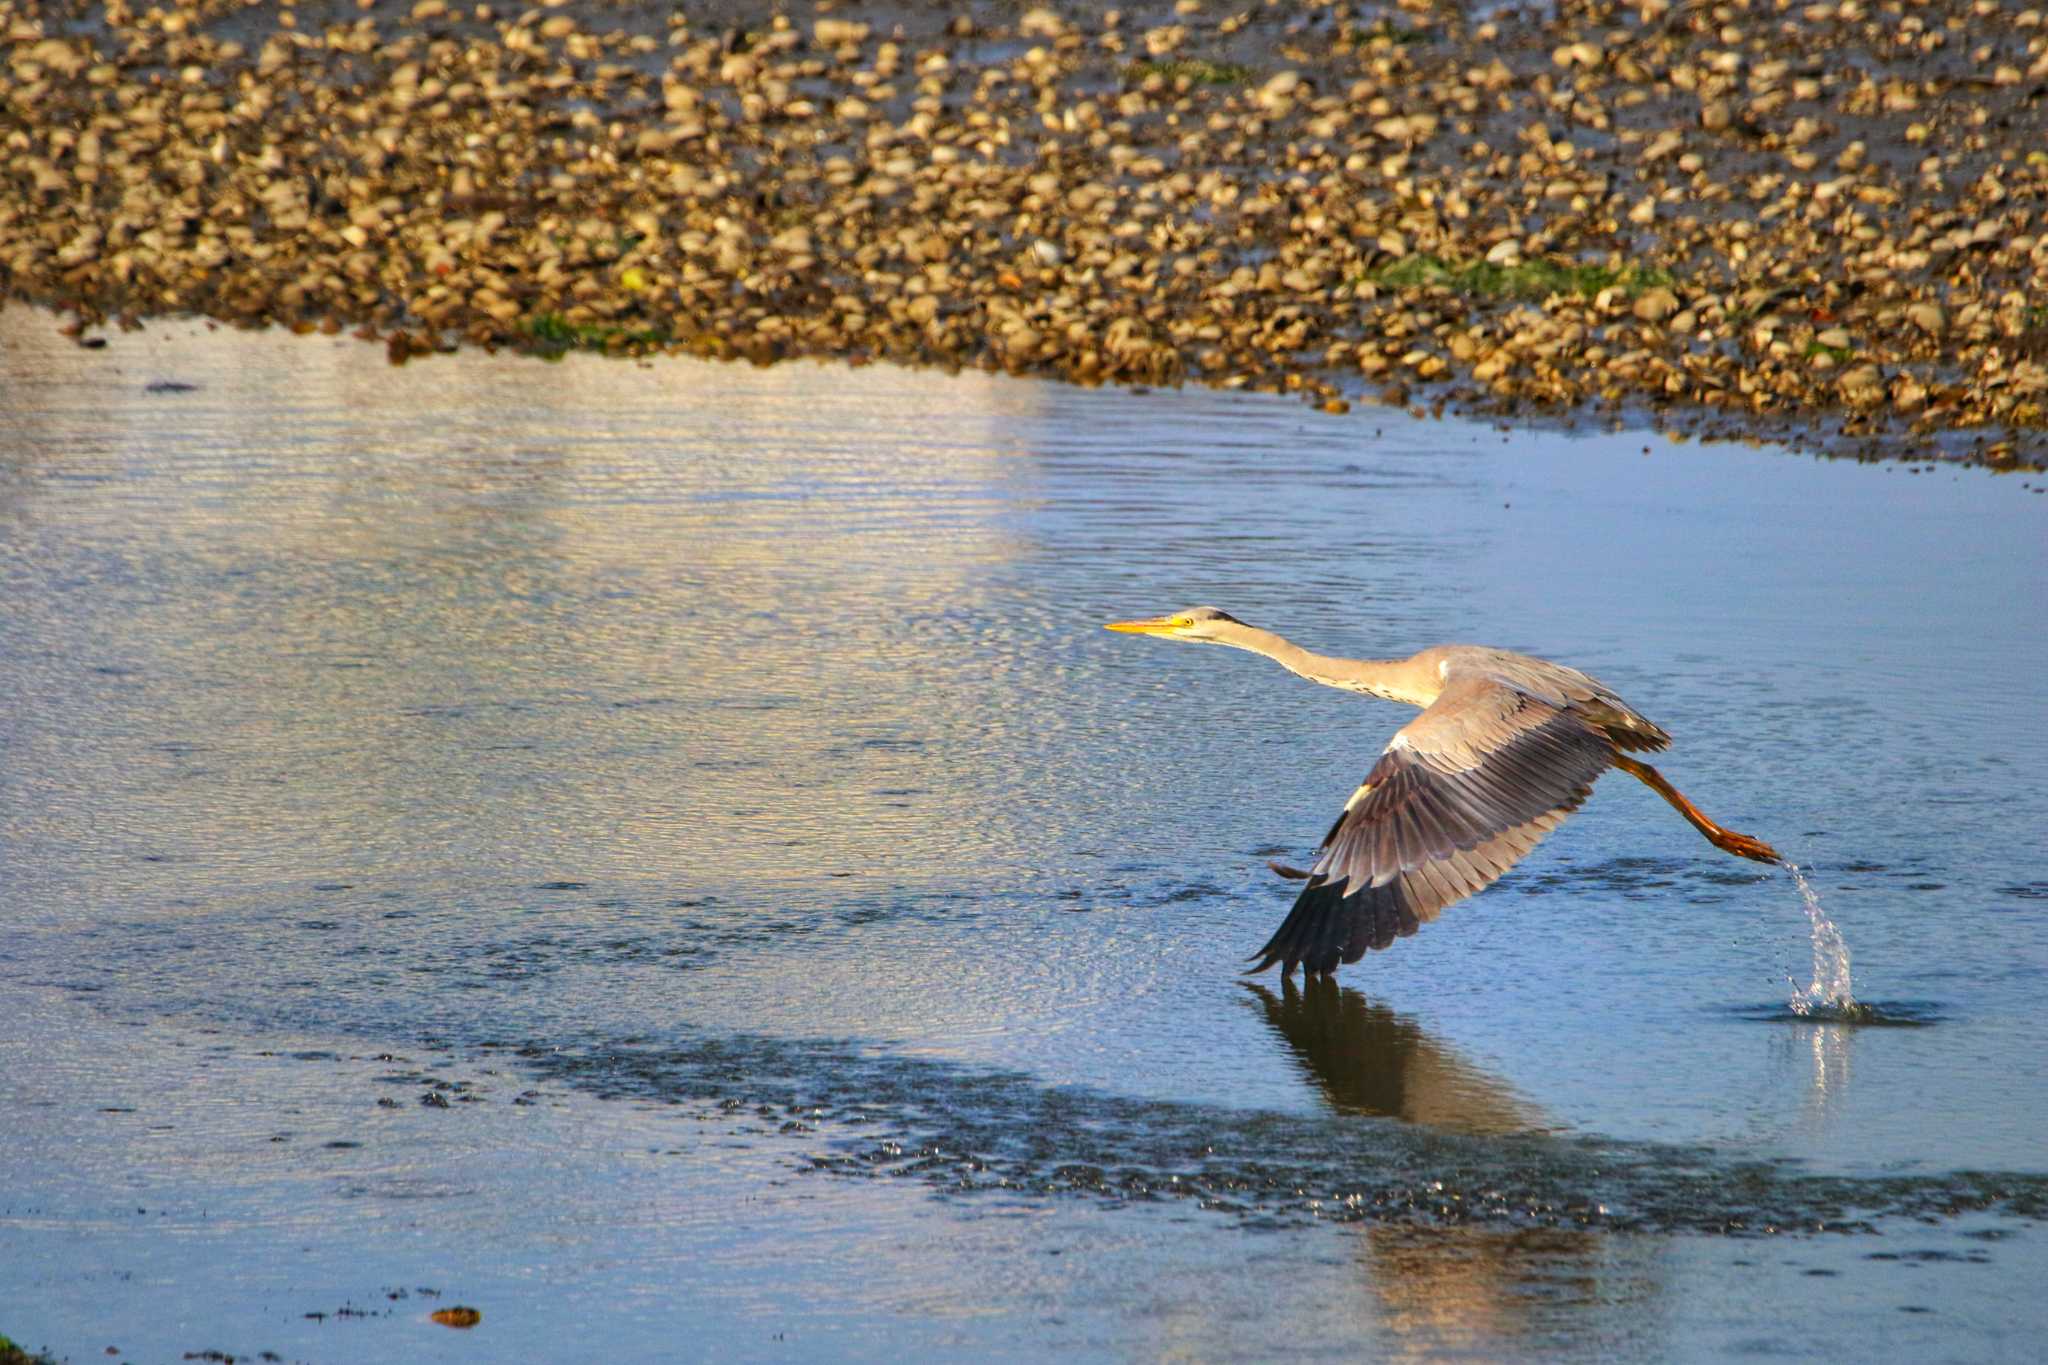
x=728 y=763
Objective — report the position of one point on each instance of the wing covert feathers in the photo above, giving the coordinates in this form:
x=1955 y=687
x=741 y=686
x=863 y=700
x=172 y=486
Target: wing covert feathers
x=1459 y=796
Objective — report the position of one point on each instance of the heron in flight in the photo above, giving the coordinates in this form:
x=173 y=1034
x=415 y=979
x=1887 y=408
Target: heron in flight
x=1506 y=746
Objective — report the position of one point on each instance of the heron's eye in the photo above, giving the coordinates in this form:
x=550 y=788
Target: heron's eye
x=1182 y=621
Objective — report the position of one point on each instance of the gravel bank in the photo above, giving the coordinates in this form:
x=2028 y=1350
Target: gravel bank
x=1826 y=223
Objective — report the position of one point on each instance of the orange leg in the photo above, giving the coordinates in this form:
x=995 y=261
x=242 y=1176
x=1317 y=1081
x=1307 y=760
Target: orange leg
x=1741 y=845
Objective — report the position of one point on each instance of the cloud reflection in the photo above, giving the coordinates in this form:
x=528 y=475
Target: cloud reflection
x=590 y=622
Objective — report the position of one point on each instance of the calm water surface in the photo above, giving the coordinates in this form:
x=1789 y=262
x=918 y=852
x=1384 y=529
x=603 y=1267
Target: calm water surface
x=666 y=855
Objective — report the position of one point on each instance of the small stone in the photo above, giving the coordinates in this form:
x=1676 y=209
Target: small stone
x=1928 y=317
x=1277 y=95
x=1040 y=23
x=1160 y=41
x=1654 y=305
x=1862 y=386
x=839 y=32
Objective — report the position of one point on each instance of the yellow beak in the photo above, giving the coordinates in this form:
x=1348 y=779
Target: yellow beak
x=1157 y=625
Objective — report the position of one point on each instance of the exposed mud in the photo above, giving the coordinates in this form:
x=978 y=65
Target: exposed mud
x=853 y=1110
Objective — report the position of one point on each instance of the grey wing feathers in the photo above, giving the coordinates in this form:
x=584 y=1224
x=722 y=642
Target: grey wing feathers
x=1462 y=793
x=1581 y=693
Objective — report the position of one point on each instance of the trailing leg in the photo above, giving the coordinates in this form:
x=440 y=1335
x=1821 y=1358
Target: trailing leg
x=1741 y=845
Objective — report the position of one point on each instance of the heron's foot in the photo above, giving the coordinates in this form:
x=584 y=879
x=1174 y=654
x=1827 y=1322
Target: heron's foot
x=1743 y=846
x=1293 y=874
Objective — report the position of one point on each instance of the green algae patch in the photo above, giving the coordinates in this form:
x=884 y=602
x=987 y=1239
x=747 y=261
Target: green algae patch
x=11 y=1354
x=555 y=336
x=1533 y=280
x=1384 y=33
x=1193 y=70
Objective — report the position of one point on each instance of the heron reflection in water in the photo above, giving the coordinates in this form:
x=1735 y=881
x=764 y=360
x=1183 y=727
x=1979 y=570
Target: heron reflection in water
x=1472 y=1289
x=1506 y=746
x=1368 y=1059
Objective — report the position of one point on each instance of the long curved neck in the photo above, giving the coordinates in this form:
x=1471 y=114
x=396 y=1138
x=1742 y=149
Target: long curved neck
x=1394 y=679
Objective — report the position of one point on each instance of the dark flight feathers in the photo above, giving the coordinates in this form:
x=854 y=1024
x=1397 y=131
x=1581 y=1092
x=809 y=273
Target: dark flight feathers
x=1460 y=795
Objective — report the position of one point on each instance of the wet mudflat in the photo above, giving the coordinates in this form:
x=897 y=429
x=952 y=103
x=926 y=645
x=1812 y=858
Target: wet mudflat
x=666 y=855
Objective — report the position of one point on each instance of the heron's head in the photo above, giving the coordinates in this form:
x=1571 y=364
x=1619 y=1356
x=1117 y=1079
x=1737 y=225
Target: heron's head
x=1204 y=624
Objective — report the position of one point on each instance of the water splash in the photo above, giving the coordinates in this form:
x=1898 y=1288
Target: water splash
x=1827 y=997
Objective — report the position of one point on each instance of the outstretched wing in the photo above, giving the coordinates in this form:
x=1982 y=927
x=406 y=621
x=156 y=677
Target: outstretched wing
x=1461 y=793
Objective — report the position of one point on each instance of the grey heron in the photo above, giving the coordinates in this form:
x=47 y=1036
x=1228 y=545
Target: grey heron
x=1506 y=746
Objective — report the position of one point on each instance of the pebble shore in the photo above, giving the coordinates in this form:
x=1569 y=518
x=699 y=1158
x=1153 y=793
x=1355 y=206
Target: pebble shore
x=1825 y=224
